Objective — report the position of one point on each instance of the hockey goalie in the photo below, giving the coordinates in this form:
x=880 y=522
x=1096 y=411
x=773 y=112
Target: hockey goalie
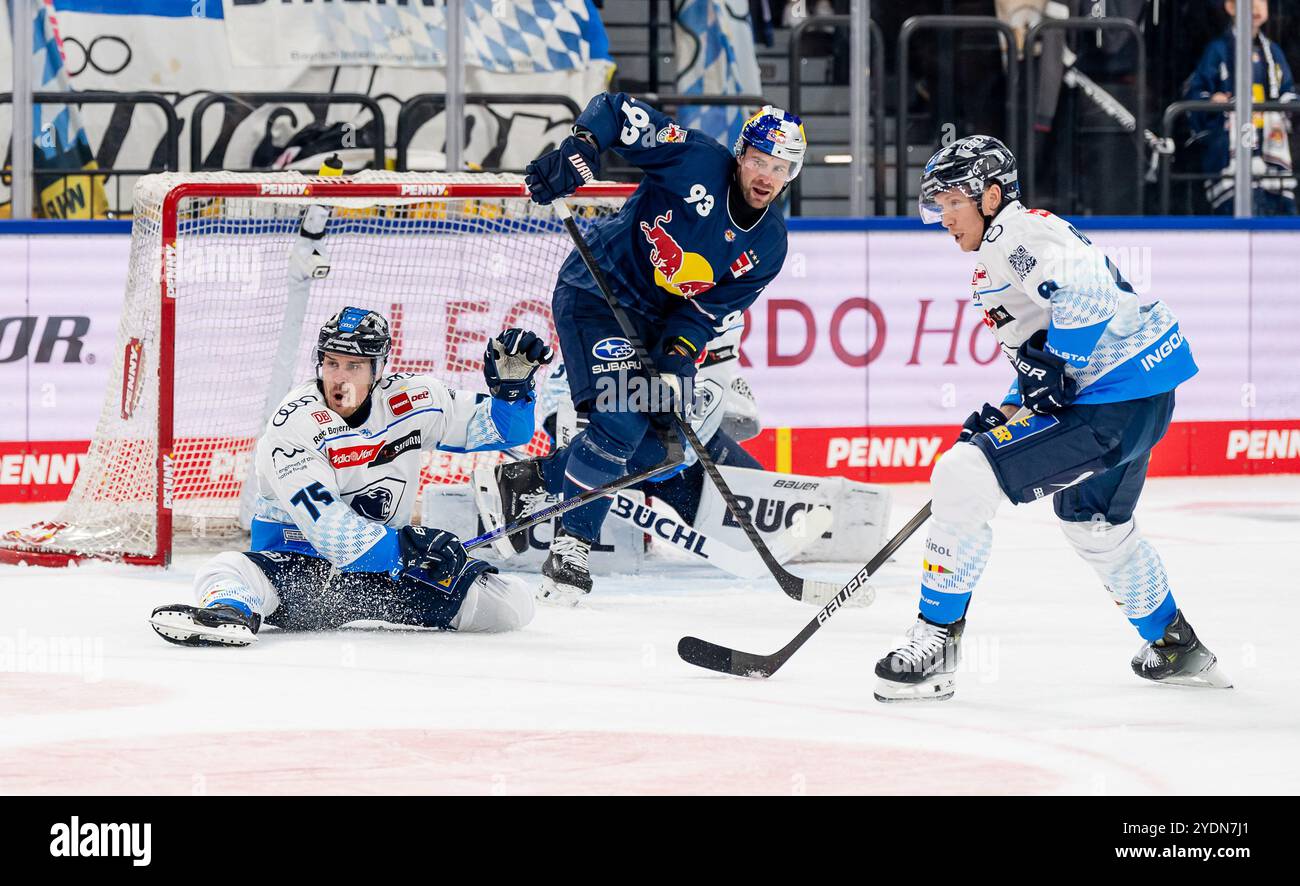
x=338 y=470
x=681 y=508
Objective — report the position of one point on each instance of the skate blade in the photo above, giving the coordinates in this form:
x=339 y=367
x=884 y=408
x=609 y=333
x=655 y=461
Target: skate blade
x=487 y=497
x=1212 y=677
x=180 y=628
x=941 y=689
x=564 y=596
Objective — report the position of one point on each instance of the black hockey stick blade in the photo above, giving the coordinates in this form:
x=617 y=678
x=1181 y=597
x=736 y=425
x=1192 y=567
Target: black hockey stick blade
x=704 y=654
x=791 y=584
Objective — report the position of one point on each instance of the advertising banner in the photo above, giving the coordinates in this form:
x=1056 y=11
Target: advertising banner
x=864 y=356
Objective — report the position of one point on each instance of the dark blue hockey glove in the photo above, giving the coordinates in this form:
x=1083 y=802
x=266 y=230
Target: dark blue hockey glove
x=561 y=172
x=432 y=556
x=511 y=362
x=1044 y=386
x=676 y=365
x=988 y=418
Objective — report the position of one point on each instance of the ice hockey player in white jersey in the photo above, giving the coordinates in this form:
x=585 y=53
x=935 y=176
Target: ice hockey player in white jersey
x=1097 y=372
x=338 y=470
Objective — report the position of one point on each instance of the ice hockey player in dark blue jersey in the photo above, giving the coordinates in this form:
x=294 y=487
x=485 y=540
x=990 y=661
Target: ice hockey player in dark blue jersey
x=1097 y=370
x=695 y=244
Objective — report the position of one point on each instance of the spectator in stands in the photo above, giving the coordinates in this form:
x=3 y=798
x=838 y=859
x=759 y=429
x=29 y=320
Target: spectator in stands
x=1213 y=79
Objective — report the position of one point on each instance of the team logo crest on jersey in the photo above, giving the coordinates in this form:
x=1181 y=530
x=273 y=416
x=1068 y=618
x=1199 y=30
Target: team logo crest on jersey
x=378 y=501
x=671 y=134
x=680 y=272
x=730 y=235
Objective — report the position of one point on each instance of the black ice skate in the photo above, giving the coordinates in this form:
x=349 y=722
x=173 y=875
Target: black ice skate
x=565 y=574
x=508 y=493
x=1179 y=658
x=923 y=668
x=214 y=626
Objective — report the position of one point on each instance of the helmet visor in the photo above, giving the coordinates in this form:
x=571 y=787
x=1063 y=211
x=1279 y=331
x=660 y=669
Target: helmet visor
x=933 y=189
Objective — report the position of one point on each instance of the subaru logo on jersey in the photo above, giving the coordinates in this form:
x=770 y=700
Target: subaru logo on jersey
x=612 y=349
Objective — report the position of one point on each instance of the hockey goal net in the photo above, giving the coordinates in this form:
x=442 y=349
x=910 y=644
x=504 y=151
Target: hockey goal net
x=215 y=328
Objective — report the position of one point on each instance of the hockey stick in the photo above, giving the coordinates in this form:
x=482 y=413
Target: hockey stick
x=793 y=585
x=675 y=457
x=704 y=654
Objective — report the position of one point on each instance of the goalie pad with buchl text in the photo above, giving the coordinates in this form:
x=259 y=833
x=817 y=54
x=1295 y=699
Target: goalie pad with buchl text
x=619 y=550
x=859 y=511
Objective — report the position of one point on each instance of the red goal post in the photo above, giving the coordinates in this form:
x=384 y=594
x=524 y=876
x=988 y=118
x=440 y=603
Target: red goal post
x=216 y=323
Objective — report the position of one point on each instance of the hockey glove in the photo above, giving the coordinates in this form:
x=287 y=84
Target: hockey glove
x=431 y=556
x=676 y=365
x=560 y=172
x=988 y=418
x=1044 y=387
x=511 y=361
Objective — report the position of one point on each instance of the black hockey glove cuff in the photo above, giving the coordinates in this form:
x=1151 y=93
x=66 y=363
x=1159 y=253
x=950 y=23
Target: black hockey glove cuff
x=431 y=556
x=1044 y=386
x=986 y=419
x=676 y=365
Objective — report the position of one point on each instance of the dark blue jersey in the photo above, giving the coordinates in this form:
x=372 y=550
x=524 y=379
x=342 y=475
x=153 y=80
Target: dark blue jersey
x=673 y=253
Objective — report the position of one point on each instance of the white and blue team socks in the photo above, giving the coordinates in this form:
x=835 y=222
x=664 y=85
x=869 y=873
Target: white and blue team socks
x=954 y=559
x=236 y=594
x=1140 y=586
x=1130 y=569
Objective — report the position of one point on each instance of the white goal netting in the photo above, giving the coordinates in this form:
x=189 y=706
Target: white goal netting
x=451 y=260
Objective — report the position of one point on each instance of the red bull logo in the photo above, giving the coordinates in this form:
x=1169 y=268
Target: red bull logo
x=680 y=272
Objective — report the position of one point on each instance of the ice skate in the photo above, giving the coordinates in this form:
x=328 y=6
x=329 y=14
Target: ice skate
x=565 y=575
x=924 y=667
x=214 y=626
x=1179 y=658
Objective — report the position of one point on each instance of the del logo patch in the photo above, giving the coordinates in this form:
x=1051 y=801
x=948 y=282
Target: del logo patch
x=416 y=398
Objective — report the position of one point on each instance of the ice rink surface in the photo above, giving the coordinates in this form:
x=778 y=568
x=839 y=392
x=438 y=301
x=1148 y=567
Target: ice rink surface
x=594 y=699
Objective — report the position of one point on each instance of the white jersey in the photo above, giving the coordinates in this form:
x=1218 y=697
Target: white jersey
x=331 y=490
x=1036 y=271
